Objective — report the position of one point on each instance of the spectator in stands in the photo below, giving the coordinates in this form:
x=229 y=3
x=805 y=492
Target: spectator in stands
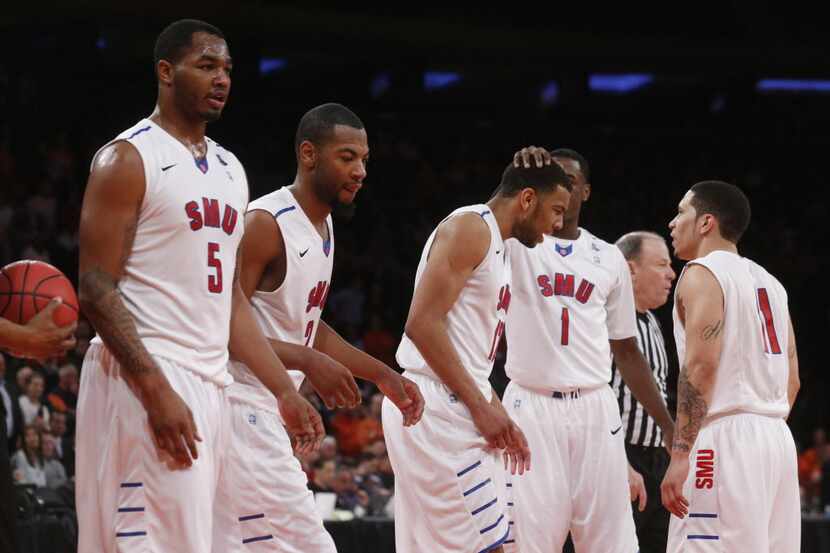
x=21 y=378
x=810 y=469
x=52 y=467
x=64 y=397
x=349 y=496
x=34 y=410
x=10 y=408
x=27 y=463
x=328 y=449
x=64 y=442
x=354 y=430
x=322 y=478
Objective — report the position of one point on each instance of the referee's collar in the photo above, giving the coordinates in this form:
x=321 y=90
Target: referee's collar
x=643 y=316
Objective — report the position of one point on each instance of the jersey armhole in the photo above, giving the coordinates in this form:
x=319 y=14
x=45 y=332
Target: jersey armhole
x=284 y=250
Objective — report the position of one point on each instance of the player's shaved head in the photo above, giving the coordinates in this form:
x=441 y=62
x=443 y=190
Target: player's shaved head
x=317 y=125
x=173 y=42
x=541 y=179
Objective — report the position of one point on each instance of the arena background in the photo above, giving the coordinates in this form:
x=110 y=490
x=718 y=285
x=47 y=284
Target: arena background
x=655 y=98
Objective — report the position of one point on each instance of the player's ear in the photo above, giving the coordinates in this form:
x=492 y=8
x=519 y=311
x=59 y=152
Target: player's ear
x=586 y=191
x=527 y=198
x=706 y=223
x=308 y=155
x=164 y=72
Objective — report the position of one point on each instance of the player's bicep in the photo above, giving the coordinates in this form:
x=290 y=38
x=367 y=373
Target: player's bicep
x=459 y=247
x=704 y=315
x=261 y=243
x=622 y=319
x=109 y=214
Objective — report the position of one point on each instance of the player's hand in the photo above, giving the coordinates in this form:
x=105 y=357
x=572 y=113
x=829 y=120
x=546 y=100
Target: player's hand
x=332 y=381
x=302 y=421
x=405 y=394
x=44 y=338
x=172 y=424
x=500 y=432
x=671 y=490
x=532 y=155
x=637 y=488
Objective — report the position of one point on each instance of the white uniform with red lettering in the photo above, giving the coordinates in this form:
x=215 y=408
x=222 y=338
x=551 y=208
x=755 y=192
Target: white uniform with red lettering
x=743 y=480
x=449 y=489
x=177 y=285
x=272 y=502
x=570 y=298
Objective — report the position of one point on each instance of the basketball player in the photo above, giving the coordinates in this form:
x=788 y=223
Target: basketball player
x=573 y=310
x=652 y=276
x=286 y=271
x=449 y=491
x=40 y=338
x=160 y=226
x=732 y=481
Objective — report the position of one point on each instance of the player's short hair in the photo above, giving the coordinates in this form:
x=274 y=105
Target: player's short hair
x=174 y=40
x=631 y=244
x=726 y=203
x=577 y=157
x=541 y=179
x=317 y=125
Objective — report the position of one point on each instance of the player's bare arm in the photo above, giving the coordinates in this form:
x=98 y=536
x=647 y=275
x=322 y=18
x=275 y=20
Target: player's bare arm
x=40 y=338
x=637 y=375
x=700 y=306
x=109 y=219
x=460 y=245
x=400 y=390
x=248 y=345
x=794 y=381
x=263 y=268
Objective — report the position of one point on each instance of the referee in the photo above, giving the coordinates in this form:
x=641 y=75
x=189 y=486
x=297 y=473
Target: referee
x=652 y=276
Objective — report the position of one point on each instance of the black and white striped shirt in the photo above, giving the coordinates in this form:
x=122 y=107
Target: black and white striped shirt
x=640 y=429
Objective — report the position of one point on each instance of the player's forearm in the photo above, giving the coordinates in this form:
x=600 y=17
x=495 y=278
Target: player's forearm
x=359 y=363
x=102 y=304
x=637 y=375
x=793 y=381
x=432 y=341
x=12 y=336
x=248 y=345
x=694 y=386
x=293 y=356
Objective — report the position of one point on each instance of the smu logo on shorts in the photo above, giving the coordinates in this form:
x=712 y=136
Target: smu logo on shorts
x=209 y=215
x=317 y=296
x=564 y=285
x=705 y=469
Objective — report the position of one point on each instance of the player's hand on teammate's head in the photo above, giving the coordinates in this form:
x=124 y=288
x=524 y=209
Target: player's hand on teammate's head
x=332 y=381
x=172 y=425
x=637 y=488
x=532 y=156
x=405 y=394
x=302 y=421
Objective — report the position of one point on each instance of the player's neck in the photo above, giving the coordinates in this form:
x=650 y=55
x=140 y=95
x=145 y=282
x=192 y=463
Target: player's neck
x=569 y=230
x=190 y=133
x=316 y=210
x=503 y=213
x=715 y=243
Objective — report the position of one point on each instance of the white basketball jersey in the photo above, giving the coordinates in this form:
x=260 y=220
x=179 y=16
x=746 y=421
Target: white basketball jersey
x=291 y=313
x=475 y=323
x=178 y=278
x=753 y=370
x=571 y=297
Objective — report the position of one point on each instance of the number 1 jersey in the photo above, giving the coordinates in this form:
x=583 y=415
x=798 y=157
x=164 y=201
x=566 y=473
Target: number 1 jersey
x=753 y=370
x=569 y=298
x=178 y=277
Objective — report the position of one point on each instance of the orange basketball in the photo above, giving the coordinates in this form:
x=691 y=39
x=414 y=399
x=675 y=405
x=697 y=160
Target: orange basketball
x=27 y=286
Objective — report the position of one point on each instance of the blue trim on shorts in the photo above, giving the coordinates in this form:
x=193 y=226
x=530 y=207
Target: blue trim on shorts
x=131 y=509
x=498 y=520
x=132 y=485
x=476 y=487
x=486 y=506
x=251 y=517
x=258 y=538
x=703 y=515
x=500 y=541
x=701 y=537
x=468 y=469
x=130 y=534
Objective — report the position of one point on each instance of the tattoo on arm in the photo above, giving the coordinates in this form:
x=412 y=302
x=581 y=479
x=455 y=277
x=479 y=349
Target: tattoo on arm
x=693 y=408
x=712 y=331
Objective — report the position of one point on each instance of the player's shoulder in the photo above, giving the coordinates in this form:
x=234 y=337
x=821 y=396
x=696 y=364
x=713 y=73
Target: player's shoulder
x=223 y=155
x=279 y=203
x=600 y=250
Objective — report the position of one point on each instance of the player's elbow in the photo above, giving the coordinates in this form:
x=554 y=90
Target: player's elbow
x=416 y=327
x=701 y=369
